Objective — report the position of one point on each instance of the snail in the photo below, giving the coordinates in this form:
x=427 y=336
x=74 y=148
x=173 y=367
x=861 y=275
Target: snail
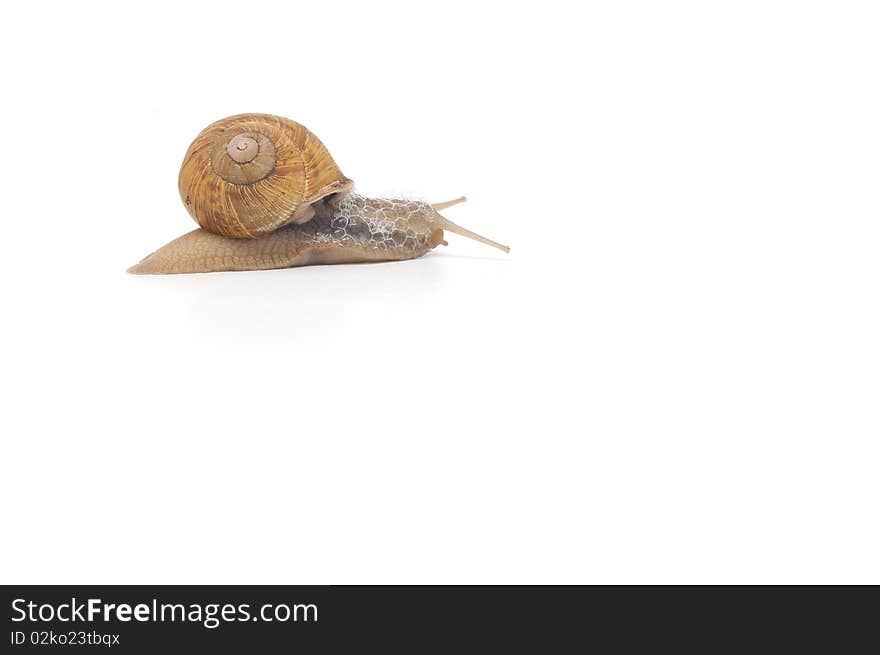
x=267 y=194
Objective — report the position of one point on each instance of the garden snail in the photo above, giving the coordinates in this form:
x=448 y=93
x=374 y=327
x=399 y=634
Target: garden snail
x=267 y=194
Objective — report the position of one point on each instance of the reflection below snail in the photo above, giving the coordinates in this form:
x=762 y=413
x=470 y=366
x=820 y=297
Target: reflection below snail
x=267 y=194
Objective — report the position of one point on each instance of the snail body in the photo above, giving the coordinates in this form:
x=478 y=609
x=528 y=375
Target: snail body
x=267 y=194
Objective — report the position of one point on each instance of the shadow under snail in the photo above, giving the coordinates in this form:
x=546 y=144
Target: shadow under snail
x=267 y=194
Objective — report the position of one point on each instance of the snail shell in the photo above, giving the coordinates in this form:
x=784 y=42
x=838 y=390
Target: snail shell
x=247 y=175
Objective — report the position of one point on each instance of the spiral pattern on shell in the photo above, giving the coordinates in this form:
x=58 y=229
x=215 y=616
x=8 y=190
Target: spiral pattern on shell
x=247 y=175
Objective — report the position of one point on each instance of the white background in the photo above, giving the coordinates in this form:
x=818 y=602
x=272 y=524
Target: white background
x=672 y=378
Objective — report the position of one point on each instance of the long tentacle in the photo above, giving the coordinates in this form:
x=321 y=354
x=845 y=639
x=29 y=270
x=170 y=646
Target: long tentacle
x=446 y=224
x=449 y=203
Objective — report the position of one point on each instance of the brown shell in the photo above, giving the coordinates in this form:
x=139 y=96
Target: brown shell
x=247 y=175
